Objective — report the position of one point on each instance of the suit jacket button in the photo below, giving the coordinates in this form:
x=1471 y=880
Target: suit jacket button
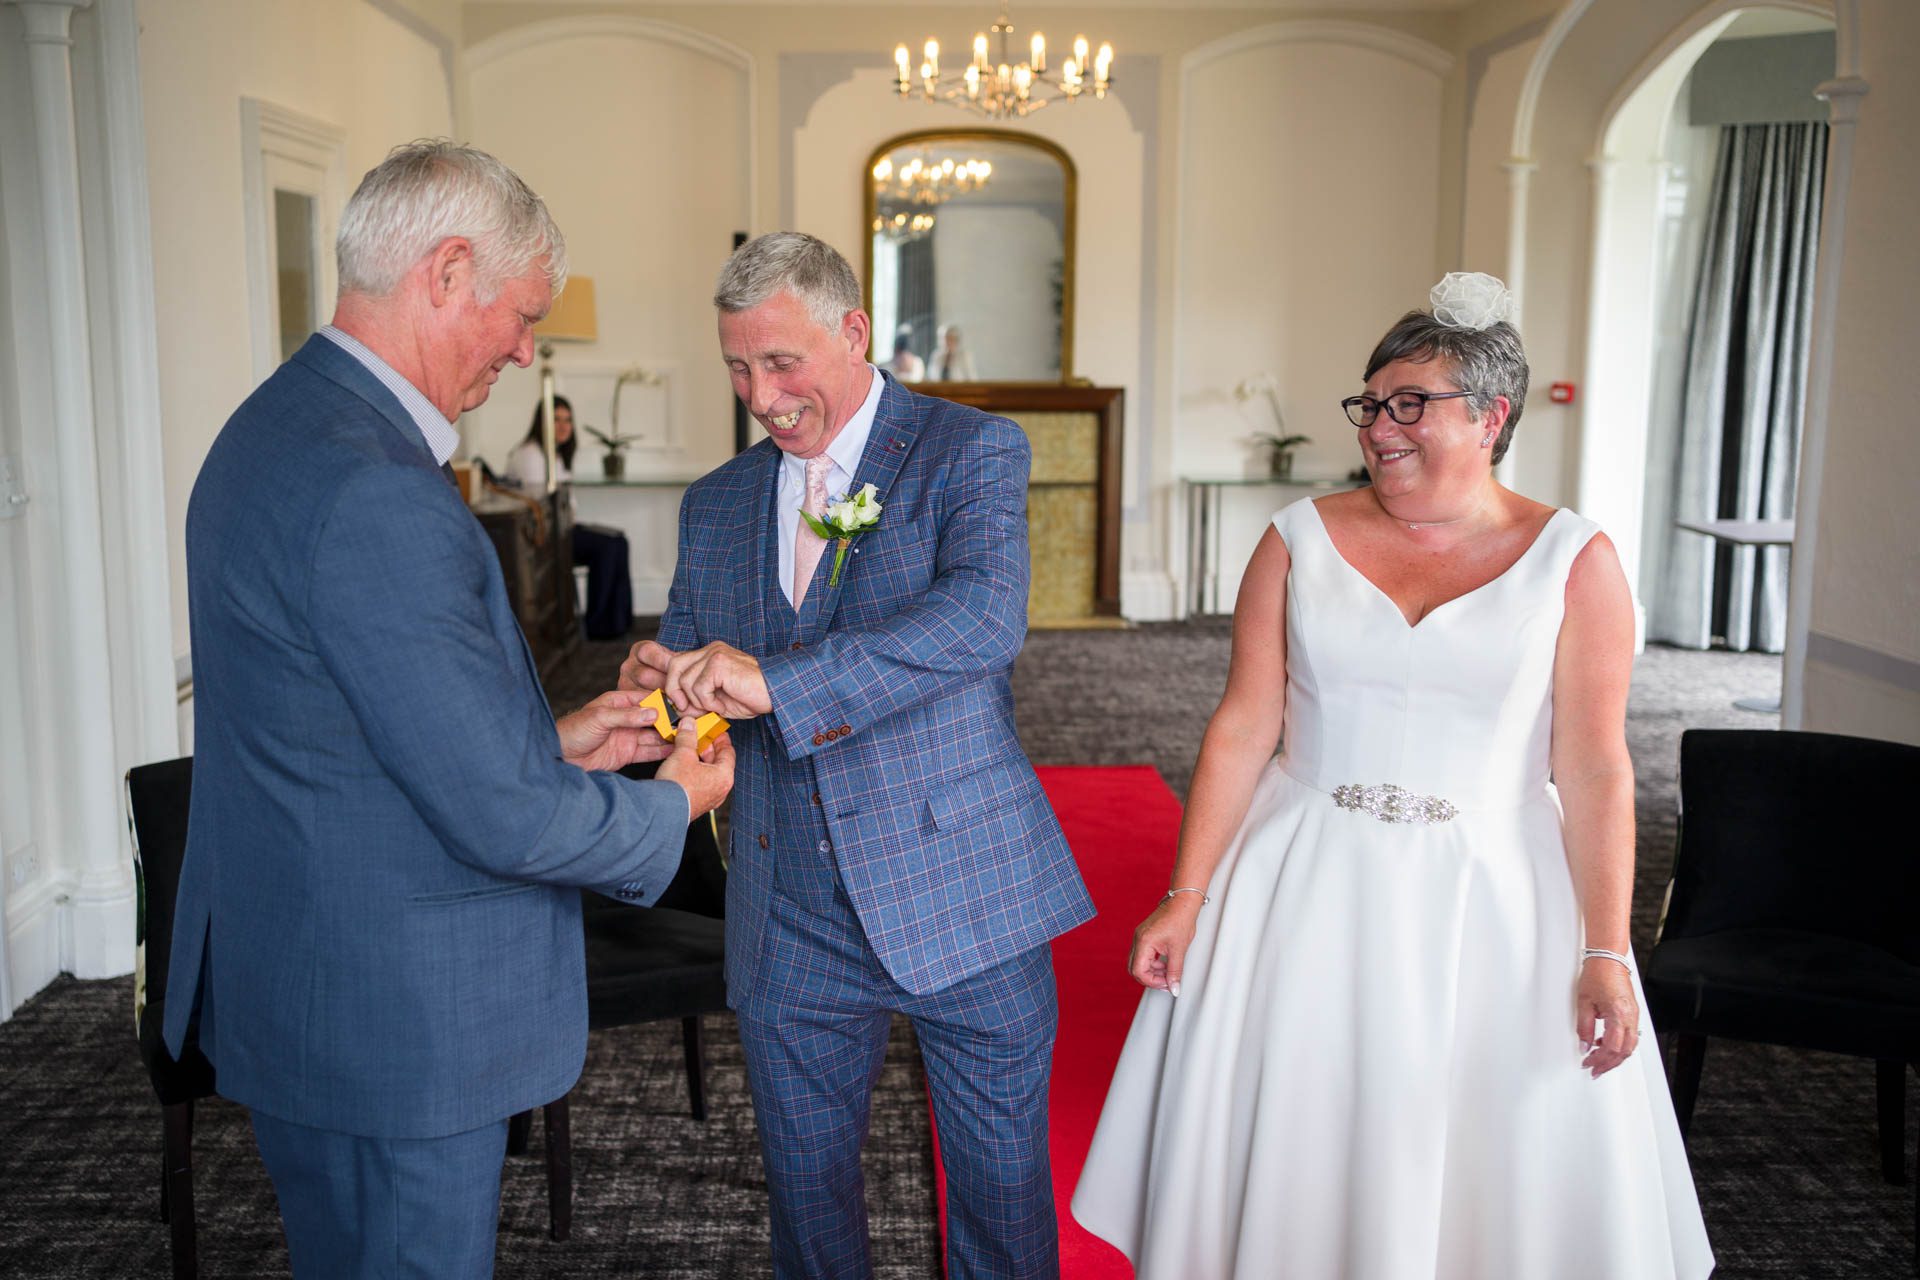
x=816 y=797
x=819 y=739
x=763 y=840
x=796 y=645
x=845 y=729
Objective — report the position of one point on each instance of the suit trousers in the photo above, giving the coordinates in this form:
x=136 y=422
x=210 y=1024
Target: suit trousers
x=385 y=1208
x=815 y=1037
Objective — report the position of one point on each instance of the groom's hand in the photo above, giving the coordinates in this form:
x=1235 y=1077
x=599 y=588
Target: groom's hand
x=611 y=732
x=646 y=667
x=714 y=677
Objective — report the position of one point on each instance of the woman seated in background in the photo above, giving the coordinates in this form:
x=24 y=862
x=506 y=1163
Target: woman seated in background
x=602 y=550
x=905 y=366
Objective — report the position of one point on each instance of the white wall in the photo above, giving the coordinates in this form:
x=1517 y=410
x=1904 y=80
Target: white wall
x=596 y=116
x=345 y=62
x=1298 y=247
x=1863 y=653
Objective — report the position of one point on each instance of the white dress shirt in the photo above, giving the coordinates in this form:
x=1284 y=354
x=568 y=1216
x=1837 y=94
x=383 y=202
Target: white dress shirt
x=440 y=437
x=845 y=450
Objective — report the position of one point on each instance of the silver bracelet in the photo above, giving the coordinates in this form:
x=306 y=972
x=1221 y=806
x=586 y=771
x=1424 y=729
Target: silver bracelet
x=1204 y=899
x=1602 y=953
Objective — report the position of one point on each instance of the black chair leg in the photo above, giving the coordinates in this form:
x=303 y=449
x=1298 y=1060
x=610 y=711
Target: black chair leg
x=1890 y=1089
x=559 y=1169
x=696 y=1047
x=176 y=1194
x=518 y=1130
x=1689 y=1056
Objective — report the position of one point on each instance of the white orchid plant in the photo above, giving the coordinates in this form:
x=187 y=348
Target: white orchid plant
x=846 y=518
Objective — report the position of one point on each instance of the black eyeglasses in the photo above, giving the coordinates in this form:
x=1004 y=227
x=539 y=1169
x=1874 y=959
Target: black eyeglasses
x=1404 y=407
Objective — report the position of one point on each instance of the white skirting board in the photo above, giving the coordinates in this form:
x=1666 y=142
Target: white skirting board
x=35 y=921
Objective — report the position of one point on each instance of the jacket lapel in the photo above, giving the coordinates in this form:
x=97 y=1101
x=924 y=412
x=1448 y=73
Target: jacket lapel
x=896 y=424
x=752 y=543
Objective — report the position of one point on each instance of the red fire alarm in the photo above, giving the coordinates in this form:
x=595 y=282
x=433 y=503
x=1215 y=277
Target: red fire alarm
x=1561 y=393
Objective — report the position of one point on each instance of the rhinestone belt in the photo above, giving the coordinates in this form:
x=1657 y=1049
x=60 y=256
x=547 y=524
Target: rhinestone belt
x=1389 y=803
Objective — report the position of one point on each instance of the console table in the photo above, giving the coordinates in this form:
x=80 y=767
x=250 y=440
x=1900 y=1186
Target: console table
x=1202 y=498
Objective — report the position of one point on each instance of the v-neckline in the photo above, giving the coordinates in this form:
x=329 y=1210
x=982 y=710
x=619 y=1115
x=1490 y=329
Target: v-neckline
x=1400 y=613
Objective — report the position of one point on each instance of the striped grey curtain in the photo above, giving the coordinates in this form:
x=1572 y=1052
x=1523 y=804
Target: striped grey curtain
x=1745 y=388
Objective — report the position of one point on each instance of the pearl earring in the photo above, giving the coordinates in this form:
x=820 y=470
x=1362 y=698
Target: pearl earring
x=1486 y=440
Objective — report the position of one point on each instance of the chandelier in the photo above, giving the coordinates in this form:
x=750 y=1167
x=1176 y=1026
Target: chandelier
x=998 y=87
x=924 y=182
x=902 y=227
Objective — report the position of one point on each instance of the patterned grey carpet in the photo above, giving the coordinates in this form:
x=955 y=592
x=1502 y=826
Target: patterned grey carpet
x=1783 y=1142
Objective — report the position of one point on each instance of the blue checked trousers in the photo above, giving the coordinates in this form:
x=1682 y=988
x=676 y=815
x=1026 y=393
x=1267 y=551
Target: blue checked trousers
x=815 y=1036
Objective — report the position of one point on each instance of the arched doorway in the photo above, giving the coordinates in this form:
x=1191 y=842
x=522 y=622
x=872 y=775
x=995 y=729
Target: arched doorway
x=1652 y=175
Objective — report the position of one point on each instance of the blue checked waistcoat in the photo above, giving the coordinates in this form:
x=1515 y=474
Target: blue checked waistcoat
x=891 y=699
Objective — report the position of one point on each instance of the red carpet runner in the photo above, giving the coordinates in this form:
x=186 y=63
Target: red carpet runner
x=1122 y=825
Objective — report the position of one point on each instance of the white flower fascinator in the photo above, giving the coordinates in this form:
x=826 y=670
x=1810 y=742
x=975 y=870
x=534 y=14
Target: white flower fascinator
x=1471 y=300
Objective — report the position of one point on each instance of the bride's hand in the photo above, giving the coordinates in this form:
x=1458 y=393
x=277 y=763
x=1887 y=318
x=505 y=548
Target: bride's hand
x=1160 y=943
x=1605 y=994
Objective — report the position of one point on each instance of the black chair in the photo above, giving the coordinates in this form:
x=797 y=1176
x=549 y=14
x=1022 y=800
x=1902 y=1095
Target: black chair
x=157 y=798
x=1793 y=917
x=645 y=964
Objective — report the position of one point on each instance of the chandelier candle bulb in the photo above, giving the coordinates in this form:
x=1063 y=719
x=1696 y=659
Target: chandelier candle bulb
x=996 y=82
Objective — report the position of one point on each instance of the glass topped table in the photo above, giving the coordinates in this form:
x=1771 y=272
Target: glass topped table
x=1202 y=497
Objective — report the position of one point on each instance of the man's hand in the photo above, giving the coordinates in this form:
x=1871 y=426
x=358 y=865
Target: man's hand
x=715 y=677
x=611 y=732
x=646 y=667
x=706 y=778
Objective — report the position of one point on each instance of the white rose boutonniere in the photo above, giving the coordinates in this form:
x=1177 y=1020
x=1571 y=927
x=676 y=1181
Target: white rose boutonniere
x=848 y=516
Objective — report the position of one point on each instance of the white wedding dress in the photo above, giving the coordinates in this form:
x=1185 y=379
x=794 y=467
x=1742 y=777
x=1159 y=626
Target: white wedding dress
x=1372 y=1071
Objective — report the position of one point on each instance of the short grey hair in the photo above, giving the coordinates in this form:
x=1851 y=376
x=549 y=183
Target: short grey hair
x=1487 y=362
x=425 y=192
x=809 y=268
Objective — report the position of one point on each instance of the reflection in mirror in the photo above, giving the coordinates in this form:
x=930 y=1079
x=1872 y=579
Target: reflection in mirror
x=970 y=257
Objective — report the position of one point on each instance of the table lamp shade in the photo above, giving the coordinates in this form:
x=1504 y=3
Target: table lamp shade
x=573 y=317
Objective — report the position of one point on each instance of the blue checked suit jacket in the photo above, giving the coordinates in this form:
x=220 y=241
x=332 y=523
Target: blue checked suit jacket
x=896 y=688
x=375 y=916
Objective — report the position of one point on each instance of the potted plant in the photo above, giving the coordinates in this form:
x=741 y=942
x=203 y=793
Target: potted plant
x=1278 y=443
x=614 y=464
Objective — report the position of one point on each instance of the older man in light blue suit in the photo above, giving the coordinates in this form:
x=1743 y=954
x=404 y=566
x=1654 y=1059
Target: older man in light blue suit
x=892 y=849
x=378 y=921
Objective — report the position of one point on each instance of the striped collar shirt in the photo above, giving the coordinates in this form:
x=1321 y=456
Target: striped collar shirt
x=441 y=438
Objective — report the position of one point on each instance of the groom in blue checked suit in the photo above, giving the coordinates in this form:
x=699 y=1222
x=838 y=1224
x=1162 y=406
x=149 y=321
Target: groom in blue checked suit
x=892 y=849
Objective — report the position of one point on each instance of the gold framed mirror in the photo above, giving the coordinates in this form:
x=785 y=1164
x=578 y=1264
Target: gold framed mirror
x=969 y=260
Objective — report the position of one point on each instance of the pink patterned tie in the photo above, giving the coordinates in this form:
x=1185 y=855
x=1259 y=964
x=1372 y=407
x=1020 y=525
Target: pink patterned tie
x=808 y=545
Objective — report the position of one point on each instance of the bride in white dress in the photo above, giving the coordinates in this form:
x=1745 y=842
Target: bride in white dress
x=1393 y=1028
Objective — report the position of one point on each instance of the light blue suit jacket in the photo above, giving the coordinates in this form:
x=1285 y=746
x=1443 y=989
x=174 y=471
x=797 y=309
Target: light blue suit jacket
x=376 y=916
x=897 y=690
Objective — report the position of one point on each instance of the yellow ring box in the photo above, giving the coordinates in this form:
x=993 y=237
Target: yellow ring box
x=665 y=720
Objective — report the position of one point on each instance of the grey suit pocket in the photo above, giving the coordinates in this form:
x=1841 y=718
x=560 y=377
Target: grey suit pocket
x=477 y=894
